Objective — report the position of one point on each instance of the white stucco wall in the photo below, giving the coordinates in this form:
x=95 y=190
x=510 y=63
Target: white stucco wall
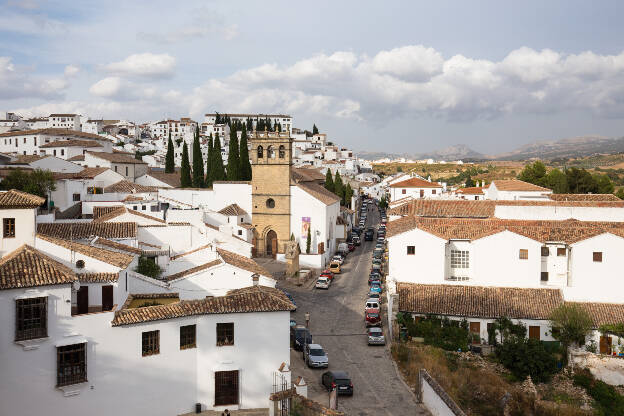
x=425 y=266
x=24 y=229
x=550 y=212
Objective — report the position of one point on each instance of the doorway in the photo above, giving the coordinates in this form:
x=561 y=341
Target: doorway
x=107 y=297
x=605 y=345
x=83 y=300
x=271 y=243
x=475 y=332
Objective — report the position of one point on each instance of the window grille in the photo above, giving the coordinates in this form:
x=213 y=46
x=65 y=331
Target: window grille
x=460 y=259
x=32 y=318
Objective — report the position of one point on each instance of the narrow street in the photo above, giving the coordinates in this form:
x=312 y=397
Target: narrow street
x=337 y=323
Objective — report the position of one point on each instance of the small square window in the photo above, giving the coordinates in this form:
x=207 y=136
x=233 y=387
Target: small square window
x=523 y=254
x=411 y=250
x=561 y=251
x=188 y=337
x=240 y=232
x=76 y=197
x=545 y=252
x=150 y=343
x=225 y=334
x=544 y=277
x=8 y=227
x=597 y=256
x=403 y=191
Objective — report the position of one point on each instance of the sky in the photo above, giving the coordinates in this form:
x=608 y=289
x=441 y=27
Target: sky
x=393 y=76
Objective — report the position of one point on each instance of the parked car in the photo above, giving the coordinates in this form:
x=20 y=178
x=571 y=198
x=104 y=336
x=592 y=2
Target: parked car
x=368 y=235
x=374 y=282
x=357 y=241
x=314 y=356
x=290 y=298
x=374 y=276
x=375 y=288
x=328 y=274
x=371 y=304
x=351 y=247
x=334 y=267
x=338 y=259
x=322 y=282
x=343 y=248
x=376 y=336
x=299 y=336
x=338 y=380
x=376 y=296
x=372 y=318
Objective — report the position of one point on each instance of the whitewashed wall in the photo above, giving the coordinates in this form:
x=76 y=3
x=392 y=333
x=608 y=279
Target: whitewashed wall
x=24 y=229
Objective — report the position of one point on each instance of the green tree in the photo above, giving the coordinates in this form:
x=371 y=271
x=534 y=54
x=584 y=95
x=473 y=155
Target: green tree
x=218 y=171
x=527 y=357
x=557 y=181
x=469 y=182
x=169 y=159
x=348 y=195
x=338 y=186
x=620 y=193
x=148 y=267
x=245 y=166
x=580 y=181
x=315 y=130
x=308 y=241
x=570 y=324
x=37 y=182
x=185 y=170
x=198 y=162
x=534 y=173
x=208 y=180
x=233 y=166
x=604 y=184
x=383 y=203
x=329 y=181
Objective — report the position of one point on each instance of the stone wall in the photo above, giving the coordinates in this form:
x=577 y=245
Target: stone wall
x=604 y=367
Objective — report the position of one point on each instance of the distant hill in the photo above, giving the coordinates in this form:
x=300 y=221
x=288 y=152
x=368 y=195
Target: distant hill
x=456 y=152
x=565 y=148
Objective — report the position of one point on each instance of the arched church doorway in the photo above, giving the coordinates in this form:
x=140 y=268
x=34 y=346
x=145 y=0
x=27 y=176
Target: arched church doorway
x=271 y=243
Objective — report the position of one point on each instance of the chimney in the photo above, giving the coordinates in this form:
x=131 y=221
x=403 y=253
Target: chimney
x=255 y=278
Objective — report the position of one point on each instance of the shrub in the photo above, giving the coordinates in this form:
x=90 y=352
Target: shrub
x=608 y=401
x=148 y=267
x=527 y=357
x=441 y=332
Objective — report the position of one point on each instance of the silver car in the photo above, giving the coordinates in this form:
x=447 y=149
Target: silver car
x=322 y=283
x=315 y=356
x=376 y=336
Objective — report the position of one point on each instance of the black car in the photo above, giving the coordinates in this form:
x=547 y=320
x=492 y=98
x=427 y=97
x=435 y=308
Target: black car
x=299 y=336
x=369 y=235
x=373 y=276
x=338 y=380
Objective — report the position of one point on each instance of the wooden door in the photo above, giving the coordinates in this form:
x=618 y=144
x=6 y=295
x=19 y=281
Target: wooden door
x=83 y=299
x=107 y=297
x=475 y=329
x=605 y=345
x=534 y=332
x=274 y=247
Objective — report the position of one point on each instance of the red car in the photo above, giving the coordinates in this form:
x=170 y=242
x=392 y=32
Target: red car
x=351 y=247
x=372 y=317
x=327 y=274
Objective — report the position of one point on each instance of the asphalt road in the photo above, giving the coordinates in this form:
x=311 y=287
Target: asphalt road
x=337 y=323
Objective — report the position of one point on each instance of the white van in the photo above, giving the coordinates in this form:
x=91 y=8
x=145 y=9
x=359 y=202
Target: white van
x=343 y=248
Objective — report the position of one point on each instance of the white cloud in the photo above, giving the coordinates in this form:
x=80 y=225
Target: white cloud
x=71 y=71
x=147 y=65
x=17 y=82
x=414 y=63
x=108 y=87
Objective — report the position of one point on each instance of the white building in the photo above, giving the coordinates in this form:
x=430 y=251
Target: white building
x=415 y=188
x=30 y=142
x=64 y=121
x=123 y=163
x=18 y=211
x=284 y=120
x=513 y=189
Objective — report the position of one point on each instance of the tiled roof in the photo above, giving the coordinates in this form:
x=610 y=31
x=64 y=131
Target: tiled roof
x=18 y=199
x=195 y=250
x=603 y=313
x=118 y=246
x=567 y=231
x=232 y=210
x=193 y=270
x=306 y=175
x=517 y=186
x=415 y=183
x=473 y=190
x=71 y=143
x=584 y=197
x=478 y=301
x=319 y=192
x=77 y=158
x=242 y=262
x=114 y=258
x=82 y=230
x=123 y=210
x=98 y=277
x=116 y=157
x=26 y=159
x=54 y=132
x=128 y=187
x=256 y=300
x=172 y=179
x=99 y=211
x=445 y=208
x=86 y=173
x=28 y=267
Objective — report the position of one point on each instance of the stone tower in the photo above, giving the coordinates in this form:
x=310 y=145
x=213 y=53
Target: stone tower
x=271 y=159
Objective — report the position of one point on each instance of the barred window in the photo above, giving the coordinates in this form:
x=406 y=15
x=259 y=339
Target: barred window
x=32 y=318
x=225 y=334
x=151 y=343
x=187 y=337
x=8 y=227
x=226 y=388
x=71 y=364
x=545 y=251
x=411 y=250
x=523 y=254
x=460 y=259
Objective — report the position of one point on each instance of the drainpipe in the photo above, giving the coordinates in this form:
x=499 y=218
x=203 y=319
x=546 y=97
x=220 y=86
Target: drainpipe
x=569 y=271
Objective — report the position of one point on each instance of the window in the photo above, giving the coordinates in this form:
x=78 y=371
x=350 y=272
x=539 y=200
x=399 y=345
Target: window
x=151 y=343
x=433 y=192
x=143 y=207
x=545 y=252
x=460 y=259
x=411 y=250
x=135 y=208
x=115 y=168
x=80 y=264
x=225 y=334
x=422 y=193
x=270 y=152
x=8 y=227
x=240 y=232
x=76 y=197
x=561 y=251
x=187 y=337
x=598 y=256
x=282 y=152
x=544 y=277
x=32 y=318
x=54 y=152
x=226 y=388
x=270 y=203
x=126 y=170
x=403 y=191
x=71 y=364
x=523 y=254
x=95 y=190
x=62 y=152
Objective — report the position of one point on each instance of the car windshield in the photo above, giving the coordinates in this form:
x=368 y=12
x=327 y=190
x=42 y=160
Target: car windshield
x=334 y=265
x=373 y=315
x=342 y=381
x=375 y=332
x=317 y=352
x=301 y=332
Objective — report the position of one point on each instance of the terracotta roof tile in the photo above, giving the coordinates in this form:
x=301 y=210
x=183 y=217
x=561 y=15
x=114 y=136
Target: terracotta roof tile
x=319 y=192
x=445 y=208
x=472 y=190
x=478 y=301
x=71 y=143
x=585 y=197
x=117 y=157
x=54 y=132
x=114 y=258
x=118 y=246
x=415 y=183
x=192 y=270
x=98 y=277
x=86 y=173
x=232 y=210
x=125 y=186
x=603 y=313
x=18 y=199
x=242 y=262
x=172 y=179
x=83 y=230
x=28 y=267
x=517 y=186
x=256 y=300
x=123 y=210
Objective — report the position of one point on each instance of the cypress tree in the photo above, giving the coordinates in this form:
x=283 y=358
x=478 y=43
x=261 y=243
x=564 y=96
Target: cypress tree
x=198 y=162
x=314 y=129
x=348 y=194
x=308 y=241
x=185 y=171
x=233 y=166
x=245 y=166
x=217 y=169
x=329 y=182
x=169 y=160
x=208 y=180
x=338 y=186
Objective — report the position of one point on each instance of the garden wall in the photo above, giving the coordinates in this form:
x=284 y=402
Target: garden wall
x=435 y=399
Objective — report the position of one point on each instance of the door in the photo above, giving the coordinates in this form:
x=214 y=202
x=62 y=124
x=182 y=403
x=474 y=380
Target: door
x=534 y=332
x=226 y=388
x=107 y=297
x=605 y=345
x=422 y=193
x=475 y=332
x=271 y=243
x=83 y=300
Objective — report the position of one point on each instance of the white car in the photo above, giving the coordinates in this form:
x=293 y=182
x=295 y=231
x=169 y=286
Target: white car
x=323 y=283
x=338 y=259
